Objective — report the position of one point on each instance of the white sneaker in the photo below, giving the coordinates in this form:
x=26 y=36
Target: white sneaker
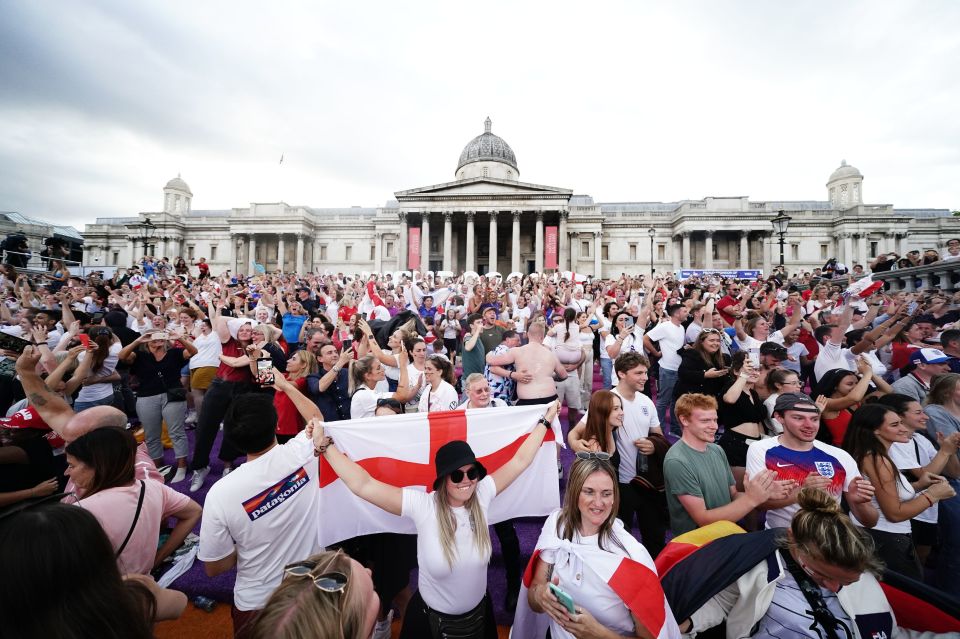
x=198 y=478
x=383 y=628
x=180 y=475
x=191 y=418
x=227 y=470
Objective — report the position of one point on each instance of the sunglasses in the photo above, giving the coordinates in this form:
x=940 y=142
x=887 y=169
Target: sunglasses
x=708 y=331
x=457 y=475
x=327 y=582
x=590 y=455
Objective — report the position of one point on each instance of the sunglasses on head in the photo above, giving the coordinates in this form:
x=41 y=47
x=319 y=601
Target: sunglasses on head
x=457 y=475
x=591 y=455
x=327 y=582
x=708 y=331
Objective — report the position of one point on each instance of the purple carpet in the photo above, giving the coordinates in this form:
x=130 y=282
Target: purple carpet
x=195 y=581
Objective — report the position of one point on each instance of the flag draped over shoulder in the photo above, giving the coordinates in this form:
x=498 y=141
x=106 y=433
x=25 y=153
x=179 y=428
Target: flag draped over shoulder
x=400 y=450
x=633 y=579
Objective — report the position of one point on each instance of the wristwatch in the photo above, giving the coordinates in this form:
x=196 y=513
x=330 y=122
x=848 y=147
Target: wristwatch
x=543 y=420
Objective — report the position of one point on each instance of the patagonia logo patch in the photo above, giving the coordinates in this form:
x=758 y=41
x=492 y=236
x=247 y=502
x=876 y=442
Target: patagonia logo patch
x=274 y=496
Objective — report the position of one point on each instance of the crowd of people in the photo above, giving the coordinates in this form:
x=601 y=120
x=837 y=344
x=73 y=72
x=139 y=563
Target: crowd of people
x=825 y=411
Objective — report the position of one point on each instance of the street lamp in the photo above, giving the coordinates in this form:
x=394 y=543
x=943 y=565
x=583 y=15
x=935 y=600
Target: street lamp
x=145 y=230
x=780 y=225
x=651 y=232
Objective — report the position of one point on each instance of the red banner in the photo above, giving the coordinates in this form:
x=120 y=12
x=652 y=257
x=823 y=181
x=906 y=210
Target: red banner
x=550 y=248
x=413 y=249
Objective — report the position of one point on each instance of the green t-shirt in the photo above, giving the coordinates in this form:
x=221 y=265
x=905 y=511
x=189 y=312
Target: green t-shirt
x=491 y=337
x=690 y=472
x=473 y=360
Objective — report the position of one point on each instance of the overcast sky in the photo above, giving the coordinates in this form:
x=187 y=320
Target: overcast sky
x=104 y=101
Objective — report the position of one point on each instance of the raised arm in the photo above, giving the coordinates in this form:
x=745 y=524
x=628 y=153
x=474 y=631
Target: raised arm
x=52 y=408
x=506 y=474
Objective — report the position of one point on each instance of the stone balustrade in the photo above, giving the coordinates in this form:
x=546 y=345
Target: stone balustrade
x=943 y=275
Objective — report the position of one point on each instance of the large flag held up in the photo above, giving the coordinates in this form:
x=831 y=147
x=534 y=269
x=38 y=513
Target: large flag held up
x=400 y=451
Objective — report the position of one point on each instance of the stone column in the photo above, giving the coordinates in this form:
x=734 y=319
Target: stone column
x=252 y=256
x=538 y=244
x=563 y=250
x=425 y=241
x=239 y=245
x=299 y=263
x=378 y=252
x=447 y=240
x=744 y=250
x=280 y=252
x=471 y=264
x=675 y=252
x=861 y=249
x=685 y=262
x=597 y=250
x=902 y=240
x=515 y=254
x=132 y=249
x=492 y=266
x=708 y=247
x=847 y=250
x=765 y=240
x=402 y=249
x=315 y=257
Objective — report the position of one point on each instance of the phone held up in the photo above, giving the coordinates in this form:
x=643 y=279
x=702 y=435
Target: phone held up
x=564 y=598
x=265 y=371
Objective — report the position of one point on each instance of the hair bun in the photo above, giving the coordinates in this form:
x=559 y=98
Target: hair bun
x=819 y=501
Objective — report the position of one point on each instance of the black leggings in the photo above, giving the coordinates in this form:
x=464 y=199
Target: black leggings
x=215 y=404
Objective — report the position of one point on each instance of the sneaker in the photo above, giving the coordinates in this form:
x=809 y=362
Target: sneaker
x=227 y=470
x=198 y=478
x=180 y=475
x=383 y=628
x=191 y=418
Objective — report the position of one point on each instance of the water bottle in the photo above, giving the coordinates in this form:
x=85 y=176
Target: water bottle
x=204 y=603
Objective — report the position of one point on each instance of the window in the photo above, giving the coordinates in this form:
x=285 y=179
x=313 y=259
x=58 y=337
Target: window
x=213 y=252
x=389 y=249
x=509 y=175
x=633 y=252
x=434 y=244
x=114 y=258
x=604 y=251
x=485 y=171
x=373 y=252
x=189 y=252
x=716 y=251
x=874 y=248
x=794 y=252
x=348 y=252
x=323 y=252
x=584 y=249
x=661 y=251
x=824 y=251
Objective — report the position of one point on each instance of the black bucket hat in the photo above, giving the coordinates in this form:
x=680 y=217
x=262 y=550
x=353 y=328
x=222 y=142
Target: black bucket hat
x=452 y=456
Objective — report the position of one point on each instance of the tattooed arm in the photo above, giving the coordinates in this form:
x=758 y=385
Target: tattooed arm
x=52 y=408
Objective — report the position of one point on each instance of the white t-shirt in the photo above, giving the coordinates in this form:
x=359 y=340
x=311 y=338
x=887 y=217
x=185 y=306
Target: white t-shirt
x=670 y=336
x=752 y=345
x=833 y=356
x=639 y=416
x=829 y=461
x=94 y=392
x=794 y=351
x=450 y=590
x=364 y=402
x=520 y=318
x=632 y=342
x=495 y=402
x=267 y=511
x=916 y=453
x=605 y=326
x=443 y=398
x=905 y=492
x=208 y=351
x=413 y=376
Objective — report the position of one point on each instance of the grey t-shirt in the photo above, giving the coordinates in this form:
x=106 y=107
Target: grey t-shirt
x=689 y=472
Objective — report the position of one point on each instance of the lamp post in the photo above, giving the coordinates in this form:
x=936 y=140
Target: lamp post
x=780 y=225
x=145 y=230
x=651 y=232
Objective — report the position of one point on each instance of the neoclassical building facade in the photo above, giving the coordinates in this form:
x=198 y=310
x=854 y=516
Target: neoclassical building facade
x=487 y=219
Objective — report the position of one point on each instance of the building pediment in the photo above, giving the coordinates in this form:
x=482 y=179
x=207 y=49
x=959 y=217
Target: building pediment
x=480 y=187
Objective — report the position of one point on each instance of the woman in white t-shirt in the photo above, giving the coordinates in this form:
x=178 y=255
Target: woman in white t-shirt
x=387 y=356
x=453 y=544
x=203 y=365
x=440 y=395
x=873 y=429
x=575 y=544
x=365 y=373
x=756 y=331
x=625 y=336
x=98 y=370
x=417 y=348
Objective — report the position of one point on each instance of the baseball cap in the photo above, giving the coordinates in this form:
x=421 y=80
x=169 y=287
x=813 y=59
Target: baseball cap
x=795 y=401
x=774 y=349
x=928 y=356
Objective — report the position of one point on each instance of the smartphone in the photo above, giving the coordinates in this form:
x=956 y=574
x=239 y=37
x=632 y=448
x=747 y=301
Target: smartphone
x=84 y=339
x=12 y=343
x=628 y=321
x=347 y=344
x=160 y=335
x=563 y=598
x=265 y=371
x=912 y=308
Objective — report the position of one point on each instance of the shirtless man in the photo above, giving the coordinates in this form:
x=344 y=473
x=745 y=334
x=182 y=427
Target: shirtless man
x=536 y=366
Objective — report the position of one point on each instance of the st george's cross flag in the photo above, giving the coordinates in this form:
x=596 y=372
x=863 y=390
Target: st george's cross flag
x=863 y=288
x=399 y=450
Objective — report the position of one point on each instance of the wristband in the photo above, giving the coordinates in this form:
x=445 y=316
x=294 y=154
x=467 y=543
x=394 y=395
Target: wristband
x=925 y=495
x=543 y=420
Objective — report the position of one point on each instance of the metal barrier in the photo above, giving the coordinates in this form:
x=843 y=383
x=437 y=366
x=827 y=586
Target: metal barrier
x=944 y=275
x=39 y=264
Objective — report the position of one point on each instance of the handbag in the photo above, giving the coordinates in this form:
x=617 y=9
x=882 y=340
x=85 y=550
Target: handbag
x=175 y=394
x=649 y=475
x=469 y=625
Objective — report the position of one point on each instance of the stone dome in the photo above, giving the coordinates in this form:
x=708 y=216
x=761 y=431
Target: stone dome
x=179 y=185
x=845 y=171
x=487 y=147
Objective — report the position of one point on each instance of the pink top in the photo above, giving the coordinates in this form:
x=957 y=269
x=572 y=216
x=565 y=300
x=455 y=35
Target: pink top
x=115 y=508
x=143 y=468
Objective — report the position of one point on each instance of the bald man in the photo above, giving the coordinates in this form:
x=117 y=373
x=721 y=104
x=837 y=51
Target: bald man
x=67 y=423
x=536 y=367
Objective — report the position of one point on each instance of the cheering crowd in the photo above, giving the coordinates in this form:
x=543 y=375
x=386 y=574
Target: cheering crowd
x=818 y=412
